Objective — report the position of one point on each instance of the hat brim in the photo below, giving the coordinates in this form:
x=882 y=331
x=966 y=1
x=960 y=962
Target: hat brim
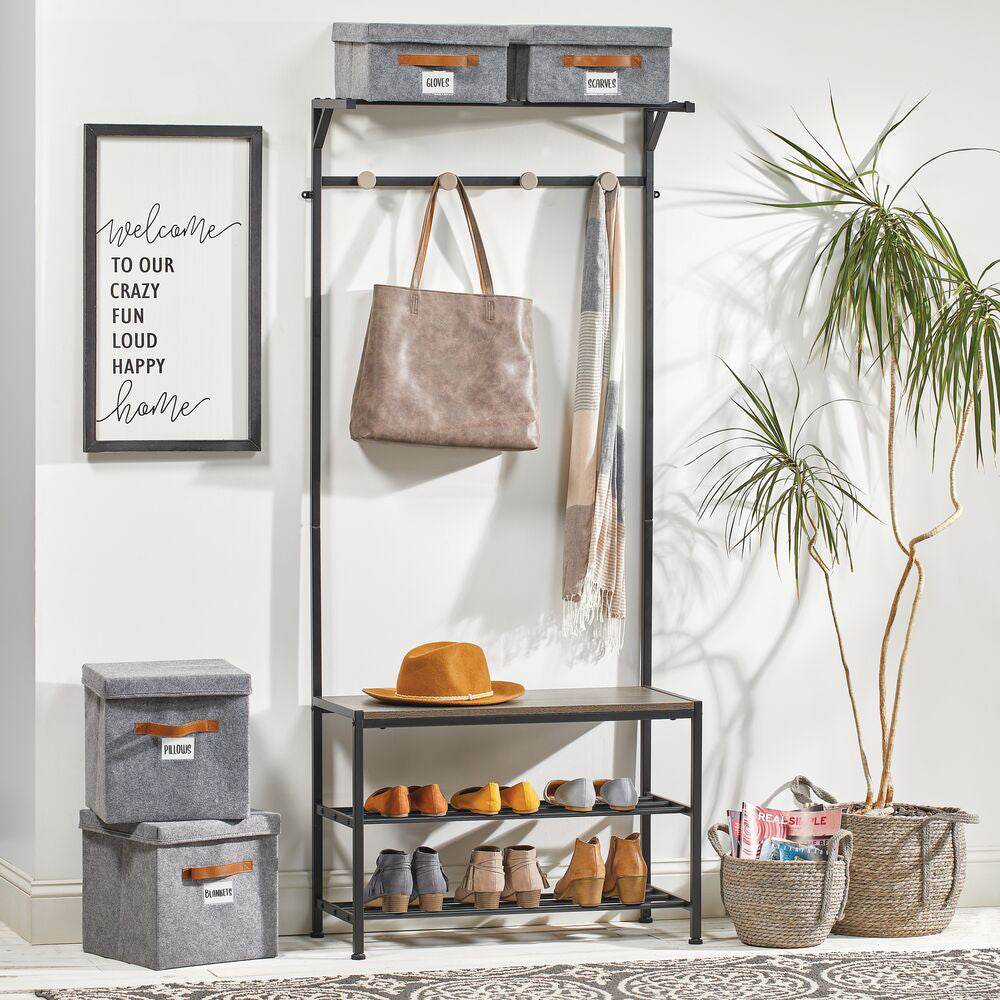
x=502 y=691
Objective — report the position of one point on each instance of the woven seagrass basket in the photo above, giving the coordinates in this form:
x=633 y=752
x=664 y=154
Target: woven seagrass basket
x=908 y=871
x=785 y=904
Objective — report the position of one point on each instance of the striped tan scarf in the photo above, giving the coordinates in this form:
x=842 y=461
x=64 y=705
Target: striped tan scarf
x=594 y=554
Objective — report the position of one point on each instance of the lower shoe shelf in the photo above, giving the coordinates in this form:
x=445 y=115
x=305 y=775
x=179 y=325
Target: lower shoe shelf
x=656 y=899
x=649 y=805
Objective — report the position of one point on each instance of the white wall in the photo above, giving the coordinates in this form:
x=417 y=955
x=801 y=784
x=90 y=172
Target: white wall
x=149 y=558
x=17 y=443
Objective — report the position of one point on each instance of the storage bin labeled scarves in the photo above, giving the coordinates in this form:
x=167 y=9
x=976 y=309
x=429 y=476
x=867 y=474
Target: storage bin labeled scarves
x=785 y=904
x=167 y=740
x=165 y=895
x=581 y=63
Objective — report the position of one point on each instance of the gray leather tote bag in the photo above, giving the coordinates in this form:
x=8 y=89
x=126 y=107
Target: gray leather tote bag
x=448 y=368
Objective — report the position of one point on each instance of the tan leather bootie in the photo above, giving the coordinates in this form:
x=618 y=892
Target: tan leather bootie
x=523 y=876
x=584 y=879
x=483 y=880
x=626 y=870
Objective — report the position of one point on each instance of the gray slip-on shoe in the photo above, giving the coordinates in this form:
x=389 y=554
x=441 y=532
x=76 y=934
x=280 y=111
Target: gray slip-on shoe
x=391 y=884
x=619 y=794
x=576 y=795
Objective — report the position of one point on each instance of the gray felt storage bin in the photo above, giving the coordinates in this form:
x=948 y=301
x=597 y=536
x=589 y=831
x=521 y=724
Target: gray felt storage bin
x=591 y=63
x=167 y=740
x=165 y=895
x=421 y=62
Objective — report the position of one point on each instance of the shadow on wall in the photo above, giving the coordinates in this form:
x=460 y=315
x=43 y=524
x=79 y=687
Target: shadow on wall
x=758 y=318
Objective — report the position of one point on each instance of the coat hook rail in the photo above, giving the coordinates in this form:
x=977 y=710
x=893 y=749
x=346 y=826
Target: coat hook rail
x=366 y=180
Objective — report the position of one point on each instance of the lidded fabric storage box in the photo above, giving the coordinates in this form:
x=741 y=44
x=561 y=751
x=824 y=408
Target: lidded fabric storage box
x=165 y=895
x=167 y=740
x=421 y=62
x=581 y=63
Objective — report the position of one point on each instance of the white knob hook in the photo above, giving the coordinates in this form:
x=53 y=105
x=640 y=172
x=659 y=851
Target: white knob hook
x=609 y=181
x=448 y=181
x=366 y=180
x=528 y=180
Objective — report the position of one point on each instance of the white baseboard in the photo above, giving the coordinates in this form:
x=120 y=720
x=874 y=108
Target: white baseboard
x=49 y=911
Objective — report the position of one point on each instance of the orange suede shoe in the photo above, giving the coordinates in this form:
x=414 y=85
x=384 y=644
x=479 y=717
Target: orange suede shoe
x=521 y=798
x=394 y=801
x=428 y=800
x=483 y=800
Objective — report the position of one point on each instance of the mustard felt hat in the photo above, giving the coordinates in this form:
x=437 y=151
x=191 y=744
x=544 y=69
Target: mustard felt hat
x=446 y=673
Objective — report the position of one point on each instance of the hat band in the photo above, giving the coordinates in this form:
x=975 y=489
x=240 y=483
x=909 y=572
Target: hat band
x=446 y=697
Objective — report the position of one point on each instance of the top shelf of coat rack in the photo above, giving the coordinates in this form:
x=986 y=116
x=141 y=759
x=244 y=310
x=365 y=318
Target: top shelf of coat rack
x=350 y=103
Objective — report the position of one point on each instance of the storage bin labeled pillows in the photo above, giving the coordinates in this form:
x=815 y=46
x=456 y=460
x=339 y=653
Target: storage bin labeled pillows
x=421 y=62
x=165 y=895
x=167 y=740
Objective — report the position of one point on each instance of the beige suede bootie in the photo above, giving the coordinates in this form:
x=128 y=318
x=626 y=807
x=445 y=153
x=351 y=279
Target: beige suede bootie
x=523 y=876
x=584 y=879
x=483 y=880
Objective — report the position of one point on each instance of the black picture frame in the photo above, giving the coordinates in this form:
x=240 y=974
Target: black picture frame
x=252 y=134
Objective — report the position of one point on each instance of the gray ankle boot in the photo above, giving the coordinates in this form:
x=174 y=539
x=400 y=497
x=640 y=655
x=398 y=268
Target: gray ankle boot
x=391 y=884
x=429 y=880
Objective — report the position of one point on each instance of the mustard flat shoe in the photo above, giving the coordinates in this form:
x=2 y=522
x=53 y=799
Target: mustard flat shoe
x=484 y=800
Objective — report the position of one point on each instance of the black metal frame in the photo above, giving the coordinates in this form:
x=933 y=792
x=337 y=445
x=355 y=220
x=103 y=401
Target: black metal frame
x=253 y=134
x=654 y=118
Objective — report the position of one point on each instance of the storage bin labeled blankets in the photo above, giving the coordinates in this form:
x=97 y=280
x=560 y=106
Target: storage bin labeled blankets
x=421 y=62
x=167 y=740
x=165 y=895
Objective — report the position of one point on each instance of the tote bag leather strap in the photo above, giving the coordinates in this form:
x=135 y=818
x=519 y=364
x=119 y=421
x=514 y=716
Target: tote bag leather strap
x=485 y=278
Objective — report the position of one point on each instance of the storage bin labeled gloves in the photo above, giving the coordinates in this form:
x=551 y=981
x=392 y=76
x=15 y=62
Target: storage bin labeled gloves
x=167 y=740
x=435 y=63
x=579 y=63
x=165 y=895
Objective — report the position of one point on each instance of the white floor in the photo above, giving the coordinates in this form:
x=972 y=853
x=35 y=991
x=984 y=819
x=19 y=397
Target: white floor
x=25 y=968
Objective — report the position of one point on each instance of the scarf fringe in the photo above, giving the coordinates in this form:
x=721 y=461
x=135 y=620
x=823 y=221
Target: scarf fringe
x=591 y=612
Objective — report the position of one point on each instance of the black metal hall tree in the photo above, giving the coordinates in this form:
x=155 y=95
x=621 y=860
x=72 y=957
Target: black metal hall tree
x=643 y=703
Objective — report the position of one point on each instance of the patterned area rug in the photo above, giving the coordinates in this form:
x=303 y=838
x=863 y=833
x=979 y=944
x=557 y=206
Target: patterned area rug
x=951 y=975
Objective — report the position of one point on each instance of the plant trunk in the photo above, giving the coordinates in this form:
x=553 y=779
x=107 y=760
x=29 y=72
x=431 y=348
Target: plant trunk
x=884 y=653
x=885 y=794
x=816 y=558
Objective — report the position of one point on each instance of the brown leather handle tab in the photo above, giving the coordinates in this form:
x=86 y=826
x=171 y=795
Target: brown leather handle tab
x=216 y=871
x=607 y=62
x=437 y=61
x=198 y=726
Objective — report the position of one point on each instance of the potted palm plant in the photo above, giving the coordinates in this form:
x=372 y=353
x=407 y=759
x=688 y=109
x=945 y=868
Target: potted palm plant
x=896 y=295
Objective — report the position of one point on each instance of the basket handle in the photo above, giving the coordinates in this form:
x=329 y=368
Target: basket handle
x=841 y=844
x=928 y=854
x=803 y=789
x=713 y=838
x=438 y=61
x=172 y=732
x=621 y=62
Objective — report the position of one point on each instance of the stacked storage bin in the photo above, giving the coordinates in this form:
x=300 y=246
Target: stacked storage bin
x=177 y=869
x=493 y=64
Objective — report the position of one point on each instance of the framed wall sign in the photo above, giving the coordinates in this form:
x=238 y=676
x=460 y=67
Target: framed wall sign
x=172 y=288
